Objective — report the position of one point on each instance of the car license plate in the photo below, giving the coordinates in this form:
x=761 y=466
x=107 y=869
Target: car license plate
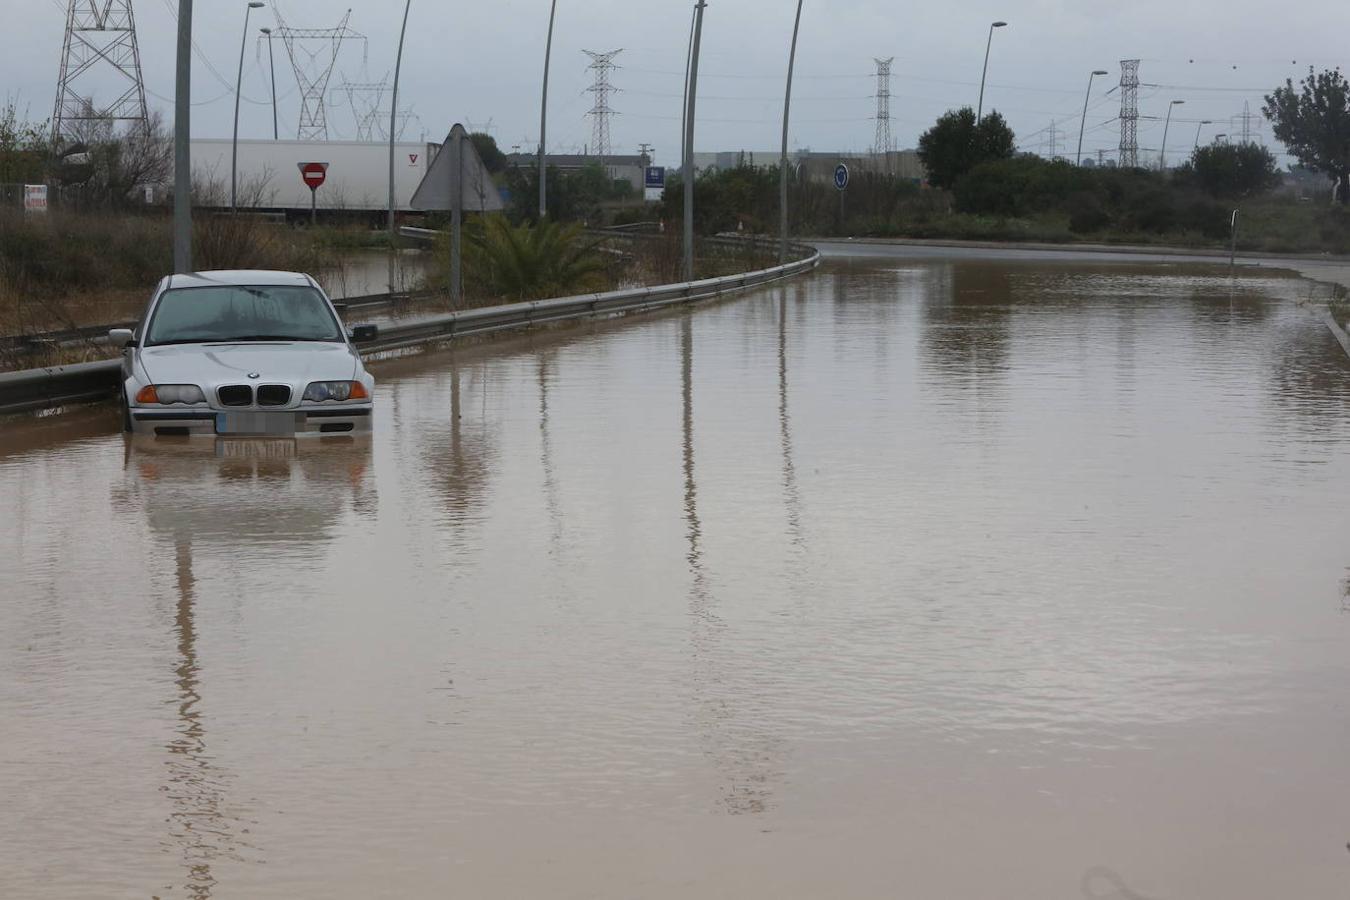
x=256 y=449
x=256 y=423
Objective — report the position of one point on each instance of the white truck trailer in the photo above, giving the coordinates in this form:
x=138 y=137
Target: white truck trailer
x=269 y=175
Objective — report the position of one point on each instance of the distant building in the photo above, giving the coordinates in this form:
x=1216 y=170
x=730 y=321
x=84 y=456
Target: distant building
x=816 y=166
x=900 y=163
x=722 y=160
x=628 y=168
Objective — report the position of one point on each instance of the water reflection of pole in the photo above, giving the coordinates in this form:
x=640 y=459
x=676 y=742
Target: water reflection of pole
x=546 y=458
x=731 y=717
x=196 y=801
x=692 y=530
x=455 y=415
x=791 y=494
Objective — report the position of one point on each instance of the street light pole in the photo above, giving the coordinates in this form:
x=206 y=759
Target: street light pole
x=1083 y=125
x=543 y=118
x=979 y=113
x=238 y=86
x=1162 y=155
x=393 y=136
x=689 y=144
x=272 y=67
x=1202 y=124
x=684 y=97
x=182 y=150
x=783 y=161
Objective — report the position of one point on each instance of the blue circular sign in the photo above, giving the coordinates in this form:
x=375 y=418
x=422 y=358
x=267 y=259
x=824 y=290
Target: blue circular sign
x=841 y=176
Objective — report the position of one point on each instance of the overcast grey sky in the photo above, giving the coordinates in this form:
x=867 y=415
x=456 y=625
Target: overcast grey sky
x=481 y=62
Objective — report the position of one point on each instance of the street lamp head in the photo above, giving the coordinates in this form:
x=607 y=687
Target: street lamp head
x=266 y=31
x=1100 y=72
x=1000 y=24
x=1178 y=102
x=256 y=4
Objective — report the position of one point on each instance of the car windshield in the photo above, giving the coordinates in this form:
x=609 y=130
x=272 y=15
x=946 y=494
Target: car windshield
x=229 y=313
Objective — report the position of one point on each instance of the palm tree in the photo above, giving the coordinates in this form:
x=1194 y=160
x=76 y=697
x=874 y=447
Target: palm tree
x=531 y=263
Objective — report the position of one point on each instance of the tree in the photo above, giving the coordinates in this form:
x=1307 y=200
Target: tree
x=111 y=169
x=1231 y=170
x=1313 y=121
x=489 y=152
x=574 y=196
x=25 y=149
x=957 y=144
x=1020 y=186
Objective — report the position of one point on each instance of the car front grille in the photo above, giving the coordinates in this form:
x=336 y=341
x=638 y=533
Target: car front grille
x=274 y=395
x=235 y=395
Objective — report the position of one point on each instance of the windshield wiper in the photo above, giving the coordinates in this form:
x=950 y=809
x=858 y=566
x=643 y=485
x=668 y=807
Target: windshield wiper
x=258 y=338
x=242 y=339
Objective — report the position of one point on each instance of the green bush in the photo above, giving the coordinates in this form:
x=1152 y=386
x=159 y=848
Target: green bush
x=1205 y=216
x=523 y=262
x=1020 y=186
x=1230 y=170
x=1152 y=209
x=1087 y=213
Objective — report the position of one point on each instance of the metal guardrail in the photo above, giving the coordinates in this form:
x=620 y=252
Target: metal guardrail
x=20 y=343
x=34 y=389
x=1339 y=333
x=98 y=334
x=419 y=234
x=434 y=329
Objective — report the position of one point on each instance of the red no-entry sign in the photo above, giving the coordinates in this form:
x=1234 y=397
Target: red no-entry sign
x=314 y=174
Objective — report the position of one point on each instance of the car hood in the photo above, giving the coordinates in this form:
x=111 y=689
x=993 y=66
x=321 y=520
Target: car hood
x=210 y=365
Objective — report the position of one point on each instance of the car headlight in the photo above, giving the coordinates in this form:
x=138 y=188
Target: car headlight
x=323 y=391
x=168 y=394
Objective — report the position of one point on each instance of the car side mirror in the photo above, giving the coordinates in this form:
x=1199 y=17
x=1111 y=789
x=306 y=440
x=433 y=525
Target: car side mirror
x=365 y=334
x=121 y=338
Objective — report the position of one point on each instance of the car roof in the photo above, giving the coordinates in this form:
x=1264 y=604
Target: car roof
x=249 y=277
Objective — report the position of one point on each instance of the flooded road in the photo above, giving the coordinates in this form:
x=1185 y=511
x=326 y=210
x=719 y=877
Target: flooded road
x=914 y=578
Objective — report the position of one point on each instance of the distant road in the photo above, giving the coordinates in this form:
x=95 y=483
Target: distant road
x=1318 y=268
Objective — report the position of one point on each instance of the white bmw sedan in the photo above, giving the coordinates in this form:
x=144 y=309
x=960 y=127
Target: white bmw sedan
x=243 y=354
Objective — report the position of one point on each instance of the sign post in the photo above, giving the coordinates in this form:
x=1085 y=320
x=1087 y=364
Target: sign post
x=314 y=175
x=654 y=183
x=35 y=198
x=841 y=182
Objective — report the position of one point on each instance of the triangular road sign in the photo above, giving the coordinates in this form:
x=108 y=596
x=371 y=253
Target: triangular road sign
x=457 y=179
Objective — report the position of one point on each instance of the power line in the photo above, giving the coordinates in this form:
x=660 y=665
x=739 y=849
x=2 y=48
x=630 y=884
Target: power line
x=206 y=61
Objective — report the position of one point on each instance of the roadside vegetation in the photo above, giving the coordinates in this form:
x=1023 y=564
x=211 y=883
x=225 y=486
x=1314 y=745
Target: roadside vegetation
x=98 y=251
x=1027 y=198
x=512 y=263
x=101 y=247
x=979 y=189
x=506 y=263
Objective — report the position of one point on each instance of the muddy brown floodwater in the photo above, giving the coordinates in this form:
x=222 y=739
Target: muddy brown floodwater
x=916 y=578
